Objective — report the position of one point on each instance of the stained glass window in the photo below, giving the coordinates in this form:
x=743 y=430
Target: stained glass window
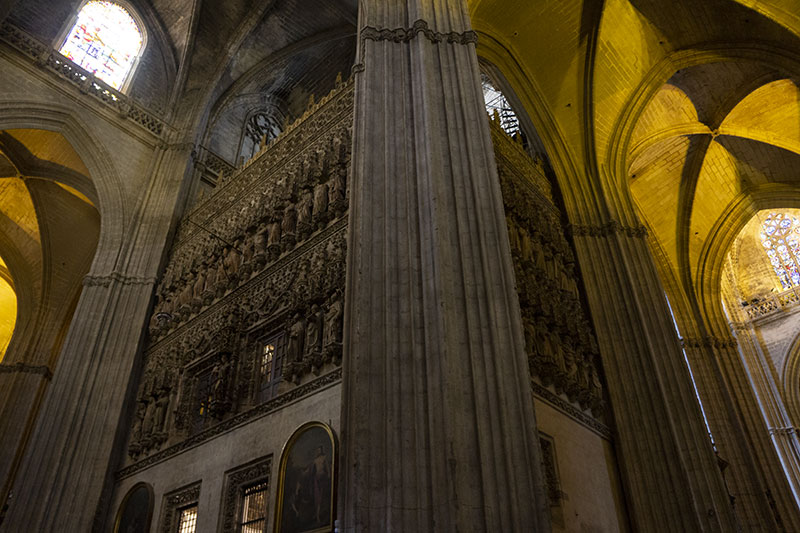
x=780 y=236
x=105 y=40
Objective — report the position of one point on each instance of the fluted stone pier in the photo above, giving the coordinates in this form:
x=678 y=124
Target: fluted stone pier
x=438 y=423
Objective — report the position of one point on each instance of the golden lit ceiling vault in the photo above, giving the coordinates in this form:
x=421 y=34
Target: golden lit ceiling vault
x=49 y=227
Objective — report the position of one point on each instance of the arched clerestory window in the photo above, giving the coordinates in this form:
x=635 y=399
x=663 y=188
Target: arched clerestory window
x=496 y=101
x=780 y=236
x=260 y=128
x=106 y=41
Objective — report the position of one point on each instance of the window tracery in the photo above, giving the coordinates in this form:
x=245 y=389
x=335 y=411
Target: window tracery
x=259 y=130
x=496 y=101
x=105 y=40
x=780 y=236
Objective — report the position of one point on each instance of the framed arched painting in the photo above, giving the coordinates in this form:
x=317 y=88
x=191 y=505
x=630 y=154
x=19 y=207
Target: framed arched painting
x=306 y=495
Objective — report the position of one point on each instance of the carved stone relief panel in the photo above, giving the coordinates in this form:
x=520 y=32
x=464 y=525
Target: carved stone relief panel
x=560 y=342
x=252 y=290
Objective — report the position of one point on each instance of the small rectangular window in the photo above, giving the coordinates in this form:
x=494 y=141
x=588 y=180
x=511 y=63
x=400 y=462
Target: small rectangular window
x=253 y=518
x=269 y=365
x=202 y=401
x=187 y=521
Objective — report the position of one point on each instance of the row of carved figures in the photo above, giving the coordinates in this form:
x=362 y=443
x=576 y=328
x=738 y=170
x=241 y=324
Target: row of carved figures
x=562 y=350
x=224 y=268
x=567 y=360
x=314 y=339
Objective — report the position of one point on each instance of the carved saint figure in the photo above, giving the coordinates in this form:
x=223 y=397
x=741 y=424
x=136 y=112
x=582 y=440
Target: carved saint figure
x=260 y=245
x=160 y=410
x=296 y=334
x=333 y=321
x=147 y=422
x=321 y=204
x=304 y=212
x=288 y=227
x=312 y=331
x=274 y=235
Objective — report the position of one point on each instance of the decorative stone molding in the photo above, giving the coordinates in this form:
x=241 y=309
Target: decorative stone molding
x=420 y=27
x=546 y=395
x=709 y=342
x=610 y=228
x=105 y=281
x=174 y=502
x=784 y=431
x=49 y=59
x=240 y=419
x=772 y=305
x=236 y=480
x=22 y=368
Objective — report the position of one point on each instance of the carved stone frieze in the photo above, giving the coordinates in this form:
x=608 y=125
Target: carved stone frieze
x=23 y=368
x=559 y=339
x=239 y=419
x=249 y=305
x=419 y=28
x=607 y=229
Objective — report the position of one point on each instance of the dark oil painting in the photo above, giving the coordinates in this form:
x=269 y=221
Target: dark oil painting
x=307 y=474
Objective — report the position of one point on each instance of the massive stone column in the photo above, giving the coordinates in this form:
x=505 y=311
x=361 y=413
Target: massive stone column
x=672 y=481
x=712 y=360
x=64 y=478
x=438 y=424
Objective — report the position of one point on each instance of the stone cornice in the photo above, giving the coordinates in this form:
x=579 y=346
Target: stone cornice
x=419 y=28
x=270 y=406
x=546 y=395
x=708 y=342
x=783 y=431
x=23 y=368
x=105 y=281
x=605 y=230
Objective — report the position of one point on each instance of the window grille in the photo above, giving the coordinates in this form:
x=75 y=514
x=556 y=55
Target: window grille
x=187 y=521
x=253 y=517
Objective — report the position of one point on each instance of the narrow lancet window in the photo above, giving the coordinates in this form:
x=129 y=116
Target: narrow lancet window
x=105 y=40
x=780 y=236
x=496 y=102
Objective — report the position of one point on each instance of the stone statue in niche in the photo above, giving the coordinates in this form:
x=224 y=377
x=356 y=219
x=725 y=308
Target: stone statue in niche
x=338 y=189
x=247 y=253
x=209 y=290
x=159 y=417
x=136 y=433
x=260 y=245
x=274 y=234
x=148 y=422
x=289 y=227
x=305 y=212
x=186 y=295
x=313 y=337
x=320 y=205
x=199 y=286
x=222 y=280
x=232 y=263
x=332 y=339
x=297 y=329
x=220 y=375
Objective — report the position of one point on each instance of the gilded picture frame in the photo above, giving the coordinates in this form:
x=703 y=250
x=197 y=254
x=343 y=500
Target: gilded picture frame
x=123 y=517
x=307 y=481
